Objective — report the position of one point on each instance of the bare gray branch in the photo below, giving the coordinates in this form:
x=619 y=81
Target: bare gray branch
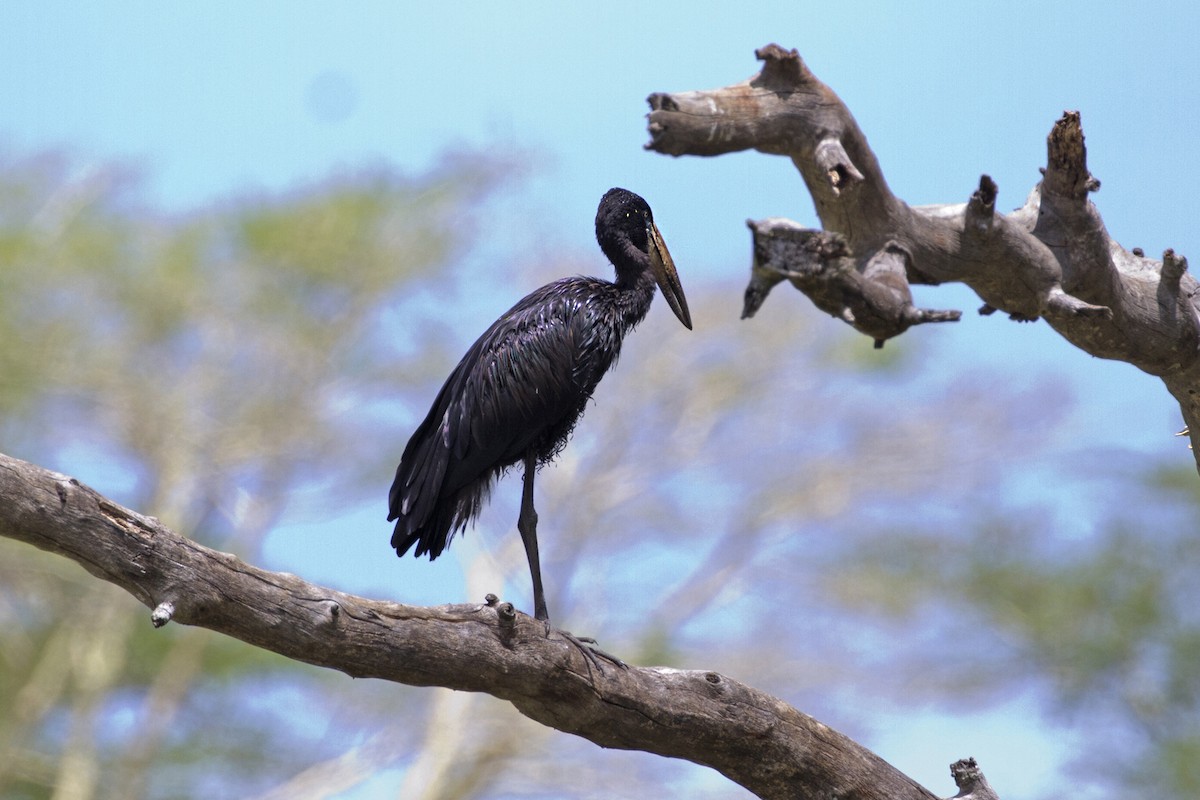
x=1052 y=258
x=754 y=739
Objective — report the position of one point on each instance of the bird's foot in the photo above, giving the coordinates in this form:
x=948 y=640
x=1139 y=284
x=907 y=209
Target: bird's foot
x=587 y=646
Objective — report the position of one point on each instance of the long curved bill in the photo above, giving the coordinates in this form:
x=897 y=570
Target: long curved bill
x=666 y=277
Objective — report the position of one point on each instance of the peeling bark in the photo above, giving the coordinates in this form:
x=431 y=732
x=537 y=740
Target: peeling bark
x=1052 y=258
x=754 y=739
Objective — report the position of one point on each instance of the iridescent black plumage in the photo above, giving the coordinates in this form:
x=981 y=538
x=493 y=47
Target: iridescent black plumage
x=519 y=390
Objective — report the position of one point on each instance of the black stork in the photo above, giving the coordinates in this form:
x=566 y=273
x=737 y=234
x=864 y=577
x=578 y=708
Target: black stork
x=518 y=392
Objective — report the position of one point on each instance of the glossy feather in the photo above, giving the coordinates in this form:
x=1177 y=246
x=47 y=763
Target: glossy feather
x=519 y=390
x=523 y=385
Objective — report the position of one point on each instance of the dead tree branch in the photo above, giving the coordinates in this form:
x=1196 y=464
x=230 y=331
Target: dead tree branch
x=1052 y=258
x=752 y=738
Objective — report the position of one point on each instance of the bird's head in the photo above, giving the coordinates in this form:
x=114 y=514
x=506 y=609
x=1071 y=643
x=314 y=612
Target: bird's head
x=627 y=234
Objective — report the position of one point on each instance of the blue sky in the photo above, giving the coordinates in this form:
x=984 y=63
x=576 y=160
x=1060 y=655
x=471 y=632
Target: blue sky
x=216 y=100
x=224 y=99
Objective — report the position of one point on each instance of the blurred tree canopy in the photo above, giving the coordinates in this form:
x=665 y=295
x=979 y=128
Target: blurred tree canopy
x=1107 y=628
x=209 y=365
x=734 y=500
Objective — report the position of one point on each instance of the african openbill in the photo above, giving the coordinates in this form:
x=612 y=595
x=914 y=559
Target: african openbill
x=518 y=392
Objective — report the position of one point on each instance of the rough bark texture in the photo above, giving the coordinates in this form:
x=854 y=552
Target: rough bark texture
x=754 y=739
x=1051 y=258
x=970 y=781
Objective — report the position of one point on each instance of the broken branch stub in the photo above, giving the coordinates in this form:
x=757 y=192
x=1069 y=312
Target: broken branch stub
x=870 y=294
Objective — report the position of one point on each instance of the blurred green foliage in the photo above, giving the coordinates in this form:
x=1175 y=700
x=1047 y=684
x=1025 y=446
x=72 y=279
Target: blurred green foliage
x=1108 y=625
x=204 y=362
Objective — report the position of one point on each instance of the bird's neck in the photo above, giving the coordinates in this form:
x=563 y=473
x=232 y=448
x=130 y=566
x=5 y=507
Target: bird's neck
x=636 y=291
x=635 y=281
x=633 y=270
x=630 y=262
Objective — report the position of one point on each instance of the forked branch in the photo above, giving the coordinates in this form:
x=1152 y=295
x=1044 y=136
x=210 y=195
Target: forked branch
x=1052 y=258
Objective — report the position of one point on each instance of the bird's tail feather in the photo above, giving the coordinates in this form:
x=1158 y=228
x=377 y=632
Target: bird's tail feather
x=432 y=529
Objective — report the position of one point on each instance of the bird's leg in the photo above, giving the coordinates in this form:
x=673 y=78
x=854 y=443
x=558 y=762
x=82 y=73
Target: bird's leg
x=527 y=525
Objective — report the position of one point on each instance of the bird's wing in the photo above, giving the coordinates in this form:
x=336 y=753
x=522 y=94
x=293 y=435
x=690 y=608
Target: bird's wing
x=518 y=384
x=519 y=381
